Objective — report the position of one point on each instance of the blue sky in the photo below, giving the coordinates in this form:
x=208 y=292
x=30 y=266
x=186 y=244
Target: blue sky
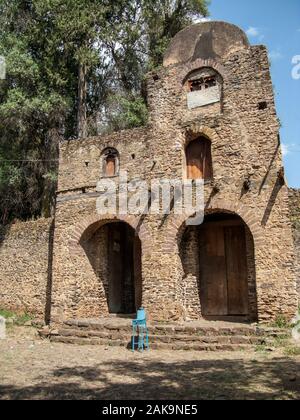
x=275 y=24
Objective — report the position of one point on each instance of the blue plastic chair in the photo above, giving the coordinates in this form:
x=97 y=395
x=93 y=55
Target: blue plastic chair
x=139 y=328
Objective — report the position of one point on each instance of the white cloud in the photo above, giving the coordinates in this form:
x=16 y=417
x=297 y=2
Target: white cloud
x=202 y=19
x=285 y=149
x=275 y=55
x=253 y=32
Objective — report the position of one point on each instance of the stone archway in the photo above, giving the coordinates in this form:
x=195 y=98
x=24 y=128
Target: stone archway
x=198 y=64
x=189 y=286
x=177 y=223
x=226 y=266
x=218 y=269
x=114 y=252
x=112 y=249
x=91 y=222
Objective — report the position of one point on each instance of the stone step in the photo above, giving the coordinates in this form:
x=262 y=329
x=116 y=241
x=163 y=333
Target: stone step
x=154 y=346
x=202 y=336
x=154 y=338
x=176 y=329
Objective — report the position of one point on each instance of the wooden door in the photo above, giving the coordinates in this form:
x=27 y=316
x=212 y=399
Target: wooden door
x=223 y=270
x=194 y=160
x=213 y=279
x=199 y=159
x=110 y=166
x=236 y=263
x=115 y=269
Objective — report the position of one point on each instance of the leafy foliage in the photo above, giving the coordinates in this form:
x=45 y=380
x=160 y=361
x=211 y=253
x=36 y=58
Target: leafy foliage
x=19 y=319
x=71 y=62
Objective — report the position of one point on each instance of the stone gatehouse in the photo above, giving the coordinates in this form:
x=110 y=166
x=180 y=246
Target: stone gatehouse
x=212 y=117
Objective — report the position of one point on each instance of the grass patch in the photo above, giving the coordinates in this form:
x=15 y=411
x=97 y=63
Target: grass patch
x=296 y=324
x=280 y=342
x=281 y=322
x=262 y=348
x=18 y=319
x=274 y=343
x=292 y=351
x=6 y=314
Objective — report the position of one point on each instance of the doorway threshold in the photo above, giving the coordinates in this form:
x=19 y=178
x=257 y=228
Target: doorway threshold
x=122 y=316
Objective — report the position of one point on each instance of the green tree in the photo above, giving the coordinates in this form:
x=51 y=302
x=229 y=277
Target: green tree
x=136 y=44
x=164 y=19
x=74 y=68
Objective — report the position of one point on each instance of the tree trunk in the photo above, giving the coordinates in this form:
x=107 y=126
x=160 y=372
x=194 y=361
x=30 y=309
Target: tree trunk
x=48 y=199
x=82 y=95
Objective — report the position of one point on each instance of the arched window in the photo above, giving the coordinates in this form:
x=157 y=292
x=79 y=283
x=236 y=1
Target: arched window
x=110 y=158
x=204 y=87
x=199 y=159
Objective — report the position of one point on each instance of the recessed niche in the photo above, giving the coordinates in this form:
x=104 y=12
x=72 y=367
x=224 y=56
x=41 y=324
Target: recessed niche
x=203 y=87
x=262 y=105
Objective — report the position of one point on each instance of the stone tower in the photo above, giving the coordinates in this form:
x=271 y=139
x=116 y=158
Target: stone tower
x=212 y=117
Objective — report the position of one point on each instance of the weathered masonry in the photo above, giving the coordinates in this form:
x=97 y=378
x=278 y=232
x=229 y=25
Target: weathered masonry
x=212 y=117
x=295 y=219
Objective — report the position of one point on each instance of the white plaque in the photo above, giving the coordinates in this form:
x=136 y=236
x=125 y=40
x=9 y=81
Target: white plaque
x=203 y=97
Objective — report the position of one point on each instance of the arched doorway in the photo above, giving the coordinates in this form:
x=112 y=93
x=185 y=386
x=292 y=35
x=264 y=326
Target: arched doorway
x=115 y=254
x=219 y=269
x=223 y=266
x=124 y=269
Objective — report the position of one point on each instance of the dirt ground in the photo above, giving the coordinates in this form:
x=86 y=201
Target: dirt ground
x=35 y=369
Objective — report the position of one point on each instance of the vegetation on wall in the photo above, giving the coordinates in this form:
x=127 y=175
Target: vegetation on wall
x=74 y=68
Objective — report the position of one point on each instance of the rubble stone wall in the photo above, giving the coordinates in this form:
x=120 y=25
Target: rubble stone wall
x=295 y=218
x=25 y=255
x=247 y=165
x=245 y=148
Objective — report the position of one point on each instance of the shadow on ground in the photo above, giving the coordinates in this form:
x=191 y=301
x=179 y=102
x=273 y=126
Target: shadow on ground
x=149 y=379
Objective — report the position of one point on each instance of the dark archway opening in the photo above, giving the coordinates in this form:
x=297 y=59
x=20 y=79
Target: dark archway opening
x=115 y=253
x=124 y=269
